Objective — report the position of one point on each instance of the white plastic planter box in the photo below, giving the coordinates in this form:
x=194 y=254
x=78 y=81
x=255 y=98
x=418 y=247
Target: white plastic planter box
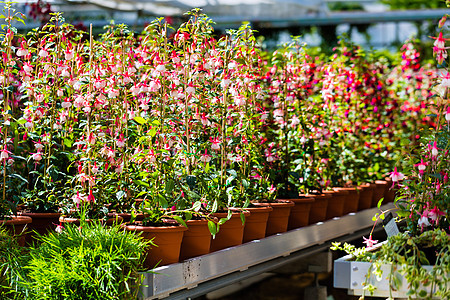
x=351 y=275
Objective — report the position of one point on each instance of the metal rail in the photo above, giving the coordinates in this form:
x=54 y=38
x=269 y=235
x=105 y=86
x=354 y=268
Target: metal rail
x=200 y=275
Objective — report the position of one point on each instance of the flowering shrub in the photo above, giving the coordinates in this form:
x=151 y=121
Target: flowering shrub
x=186 y=122
x=424 y=188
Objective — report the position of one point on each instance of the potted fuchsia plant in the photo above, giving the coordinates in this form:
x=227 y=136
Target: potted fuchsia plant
x=11 y=156
x=417 y=258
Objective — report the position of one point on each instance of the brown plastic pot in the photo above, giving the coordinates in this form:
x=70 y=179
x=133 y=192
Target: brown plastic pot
x=365 y=195
x=318 y=212
x=336 y=203
x=16 y=226
x=42 y=223
x=351 y=200
x=196 y=239
x=278 y=217
x=231 y=233
x=256 y=223
x=378 y=192
x=299 y=216
x=167 y=240
x=390 y=191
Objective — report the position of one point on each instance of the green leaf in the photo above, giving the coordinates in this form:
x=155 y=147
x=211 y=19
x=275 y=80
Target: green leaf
x=423 y=293
x=179 y=220
x=245 y=183
x=222 y=221
x=197 y=206
x=374 y=218
x=170 y=184
x=68 y=142
x=140 y=120
x=242 y=218
x=379 y=203
x=21 y=121
x=193 y=195
x=232 y=172
x=152 y=132
x=142 y=183
x=162 y=201
x=215 y=206
x=229 y=180
x=120 y=195
x=191 y=180
x=213 y=228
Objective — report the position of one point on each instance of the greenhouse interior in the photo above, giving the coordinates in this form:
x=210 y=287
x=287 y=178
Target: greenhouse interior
x=226 y=149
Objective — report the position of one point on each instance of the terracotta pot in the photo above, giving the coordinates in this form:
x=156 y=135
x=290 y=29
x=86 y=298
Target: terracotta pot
x=378 y=192
x=318 y=212
x=167 y=240
x=196 y=239
x=110 y=221
x=16 y=226
x=351 y=201
x=390 y=191
x=278 y=217
x=336 y=203
x=231 y=233
x=42 y=223
x=365 y=195
x=256 y=223
x=299 y=215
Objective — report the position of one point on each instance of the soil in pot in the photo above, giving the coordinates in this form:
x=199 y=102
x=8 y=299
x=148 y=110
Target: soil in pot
x=231 y=233
x=167 y=240
x=256 y=223
x=196 y=239
x=16 y=226
x=336 y=203
x=278 y=217
x=110 y=221
x=299 y=216
x=351 y=202
x=318 y=212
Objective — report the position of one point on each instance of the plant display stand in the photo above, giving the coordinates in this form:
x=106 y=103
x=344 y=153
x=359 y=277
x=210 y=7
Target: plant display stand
x=197 y=276
x=351 y=275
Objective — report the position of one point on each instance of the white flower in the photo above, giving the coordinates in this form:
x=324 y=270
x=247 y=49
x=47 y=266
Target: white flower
x=423 y=221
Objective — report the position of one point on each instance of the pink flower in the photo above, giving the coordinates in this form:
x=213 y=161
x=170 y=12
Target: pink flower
x=447 y=114
x=4 y=154
x=22 y=51
x=205 y=157
x=215 y=143
x=421 y=166
x=37 y=156
x=439 y=41
x=369 y=242
x=59 y=228
x=120 y=141
x=396 y=176
x=271 y=189
x=434 y=149
x=77 y=199
x=435 y=213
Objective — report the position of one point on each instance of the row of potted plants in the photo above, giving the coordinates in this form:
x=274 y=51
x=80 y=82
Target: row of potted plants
x=183 y=124
x=414 y=263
